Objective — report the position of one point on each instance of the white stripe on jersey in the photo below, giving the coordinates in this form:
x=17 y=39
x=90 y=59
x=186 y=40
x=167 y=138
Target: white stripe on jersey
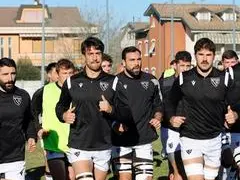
x=69 y=83
x=180 y=79
x=156 y=83
x=230 y=69
x=115 y=81
x=226 y=79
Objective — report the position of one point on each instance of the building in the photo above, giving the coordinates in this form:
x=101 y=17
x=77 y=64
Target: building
x=190 y=22
x=21 y=33
x=128 y=33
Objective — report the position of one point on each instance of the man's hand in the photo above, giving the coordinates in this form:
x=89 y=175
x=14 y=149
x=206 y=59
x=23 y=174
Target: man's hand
x=230 y=117
x=42 y=133
x=155 y=122
x=177 y=121
x=104 y=105
x=119 y=128
x=69 y=116
x=31 y=145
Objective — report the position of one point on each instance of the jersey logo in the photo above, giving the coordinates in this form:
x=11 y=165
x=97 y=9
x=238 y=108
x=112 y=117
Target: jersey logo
x=125 y=86
x=189 y=151
x=77 y=153
x=170 y=145
x=215 y=81
x=17 y=100
x=193 y=82
x=80 y=85
x=104 y=86
x=145 y=84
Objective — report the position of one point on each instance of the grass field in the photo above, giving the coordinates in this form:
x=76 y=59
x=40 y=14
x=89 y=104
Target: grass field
x=35 y=164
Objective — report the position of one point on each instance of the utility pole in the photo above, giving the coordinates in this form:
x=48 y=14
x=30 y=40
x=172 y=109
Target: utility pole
x=43 y=44
x=234 y=26
x=172 y=32
x=107 y=27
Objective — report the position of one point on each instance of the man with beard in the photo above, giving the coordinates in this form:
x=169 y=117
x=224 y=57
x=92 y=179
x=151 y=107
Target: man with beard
x=203 y=91
x=86 y=103
x=132 y=152
x=16 y=123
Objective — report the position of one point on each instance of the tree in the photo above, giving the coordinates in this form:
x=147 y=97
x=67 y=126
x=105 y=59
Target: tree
x=26 y=70
x=98 y=17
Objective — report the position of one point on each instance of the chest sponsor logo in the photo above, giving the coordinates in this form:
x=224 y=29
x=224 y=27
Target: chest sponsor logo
x=80 y=85
x=17 y=100
x=215 y=81
x=145 y=84
x=104 y=86
x=125 y=86
x=193 y=82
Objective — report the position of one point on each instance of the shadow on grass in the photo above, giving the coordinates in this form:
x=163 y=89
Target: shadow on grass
x=35 y=173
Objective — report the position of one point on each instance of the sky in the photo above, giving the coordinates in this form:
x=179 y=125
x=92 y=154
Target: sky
x=124 y=10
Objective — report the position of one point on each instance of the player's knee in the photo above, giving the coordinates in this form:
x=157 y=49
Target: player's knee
x=122 y=167
x=85 y=176
x=193 y=169
x=143 y=170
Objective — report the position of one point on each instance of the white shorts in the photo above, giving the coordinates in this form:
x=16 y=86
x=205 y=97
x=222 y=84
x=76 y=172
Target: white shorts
x=209 y=149
x=101 y=159
x=13 y=170
x=142 y=151
x=170 y=140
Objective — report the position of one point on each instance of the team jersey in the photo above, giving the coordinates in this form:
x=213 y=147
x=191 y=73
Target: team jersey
x=235 y=96
x=203 y=100
x=92 y=128
x=144 y=99
x=16 y=125
x=57 y=138
x=166 y=86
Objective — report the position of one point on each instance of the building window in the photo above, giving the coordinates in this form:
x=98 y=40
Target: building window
x=152 y=50
x=229 y=17
x=77 y=46
x=206 y=16
x=31 y=16
x=140 y=46
x=146 y=70
x=37 y=45
x=146 y=47
x=1 y=47
x=9 y=47
x=153 y=69
x=153 y=22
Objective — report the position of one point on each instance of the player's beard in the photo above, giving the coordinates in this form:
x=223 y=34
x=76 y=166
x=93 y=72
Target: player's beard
x=134 y=74
x=8 y=86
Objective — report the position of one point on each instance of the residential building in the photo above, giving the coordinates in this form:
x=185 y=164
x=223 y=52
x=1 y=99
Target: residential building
x=129 y=32
x=21 y=33
x=190 y=22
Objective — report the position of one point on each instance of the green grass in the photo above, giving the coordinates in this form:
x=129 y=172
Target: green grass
x=35 y=164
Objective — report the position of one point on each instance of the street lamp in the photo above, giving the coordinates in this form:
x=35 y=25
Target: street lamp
x=43 y=44
x=172 y=32
x=107 y=27
x=234 y=26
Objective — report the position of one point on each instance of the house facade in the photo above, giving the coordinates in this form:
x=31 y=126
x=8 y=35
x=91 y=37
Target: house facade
x=177 y=27
x=21 y=33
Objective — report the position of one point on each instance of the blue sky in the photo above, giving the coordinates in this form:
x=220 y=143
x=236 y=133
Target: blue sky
x=125 y=10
